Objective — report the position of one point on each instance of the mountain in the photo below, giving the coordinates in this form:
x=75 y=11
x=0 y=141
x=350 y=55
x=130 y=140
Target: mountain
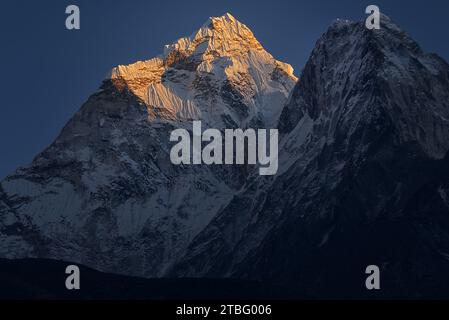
x=363 y=177
x=105 y=193
x=363 y=168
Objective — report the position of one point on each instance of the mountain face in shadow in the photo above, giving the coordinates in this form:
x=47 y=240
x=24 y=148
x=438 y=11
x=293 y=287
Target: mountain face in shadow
x=363 y=169
x=363 y=181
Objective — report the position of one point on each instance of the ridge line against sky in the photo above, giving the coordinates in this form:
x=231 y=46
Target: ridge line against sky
x=51 y=71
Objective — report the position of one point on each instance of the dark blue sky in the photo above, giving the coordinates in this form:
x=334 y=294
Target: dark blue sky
x=48 y=71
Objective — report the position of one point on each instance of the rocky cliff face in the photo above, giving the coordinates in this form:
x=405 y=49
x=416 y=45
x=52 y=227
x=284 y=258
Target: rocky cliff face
x=363 y=177
x=105 y=193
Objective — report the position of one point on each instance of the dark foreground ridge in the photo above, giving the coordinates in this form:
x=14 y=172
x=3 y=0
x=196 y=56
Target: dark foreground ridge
x=45 y=279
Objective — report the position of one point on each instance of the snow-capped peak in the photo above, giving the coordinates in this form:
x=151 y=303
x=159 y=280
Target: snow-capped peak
x=221 y=66
x=111 y=178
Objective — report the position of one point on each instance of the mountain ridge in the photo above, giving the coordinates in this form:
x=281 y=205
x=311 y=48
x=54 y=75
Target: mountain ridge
x=223 y=49
x=105 y=193
x=348 y=142
x=363 y=157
